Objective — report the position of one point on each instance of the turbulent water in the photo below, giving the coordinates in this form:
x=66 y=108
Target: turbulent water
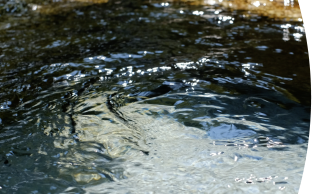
x=152 y=97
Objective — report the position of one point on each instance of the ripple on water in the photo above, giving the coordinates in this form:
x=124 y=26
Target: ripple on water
x=144 y=97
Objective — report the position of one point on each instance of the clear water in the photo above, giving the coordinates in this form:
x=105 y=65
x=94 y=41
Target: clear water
x=152 y=97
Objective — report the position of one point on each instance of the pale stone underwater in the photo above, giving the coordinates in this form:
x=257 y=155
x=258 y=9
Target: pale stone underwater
x=149 y=151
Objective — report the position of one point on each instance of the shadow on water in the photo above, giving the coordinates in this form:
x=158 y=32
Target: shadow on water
x=128 y=96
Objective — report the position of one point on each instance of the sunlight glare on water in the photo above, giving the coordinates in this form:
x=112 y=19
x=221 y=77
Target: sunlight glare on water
x=153 y=96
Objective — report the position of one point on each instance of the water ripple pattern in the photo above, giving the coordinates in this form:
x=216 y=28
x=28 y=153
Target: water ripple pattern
x=106 y=96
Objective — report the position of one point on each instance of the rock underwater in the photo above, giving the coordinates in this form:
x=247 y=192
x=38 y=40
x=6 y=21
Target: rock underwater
x=100 y=131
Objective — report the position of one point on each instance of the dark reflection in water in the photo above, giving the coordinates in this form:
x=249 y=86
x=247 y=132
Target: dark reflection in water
x=151 y=96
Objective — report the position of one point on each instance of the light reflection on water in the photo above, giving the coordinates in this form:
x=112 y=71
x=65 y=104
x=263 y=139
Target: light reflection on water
x=144 y=97
x=189 y=159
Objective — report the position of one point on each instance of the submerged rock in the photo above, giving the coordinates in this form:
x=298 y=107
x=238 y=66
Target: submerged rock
x=99 y=129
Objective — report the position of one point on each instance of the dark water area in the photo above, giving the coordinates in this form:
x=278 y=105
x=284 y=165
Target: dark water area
x=151 y=97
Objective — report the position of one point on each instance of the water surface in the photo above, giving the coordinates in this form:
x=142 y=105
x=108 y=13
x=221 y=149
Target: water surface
x=152 y=97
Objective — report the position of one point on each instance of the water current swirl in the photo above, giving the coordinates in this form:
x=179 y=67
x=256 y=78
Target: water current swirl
x=153 y=97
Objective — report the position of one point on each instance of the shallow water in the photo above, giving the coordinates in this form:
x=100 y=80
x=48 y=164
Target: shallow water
x=152 y=97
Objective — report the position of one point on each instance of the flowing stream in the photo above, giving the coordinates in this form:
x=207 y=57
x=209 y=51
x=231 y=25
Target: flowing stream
x=153 y=97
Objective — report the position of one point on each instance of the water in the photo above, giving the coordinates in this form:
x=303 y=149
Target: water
x=152 y=97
